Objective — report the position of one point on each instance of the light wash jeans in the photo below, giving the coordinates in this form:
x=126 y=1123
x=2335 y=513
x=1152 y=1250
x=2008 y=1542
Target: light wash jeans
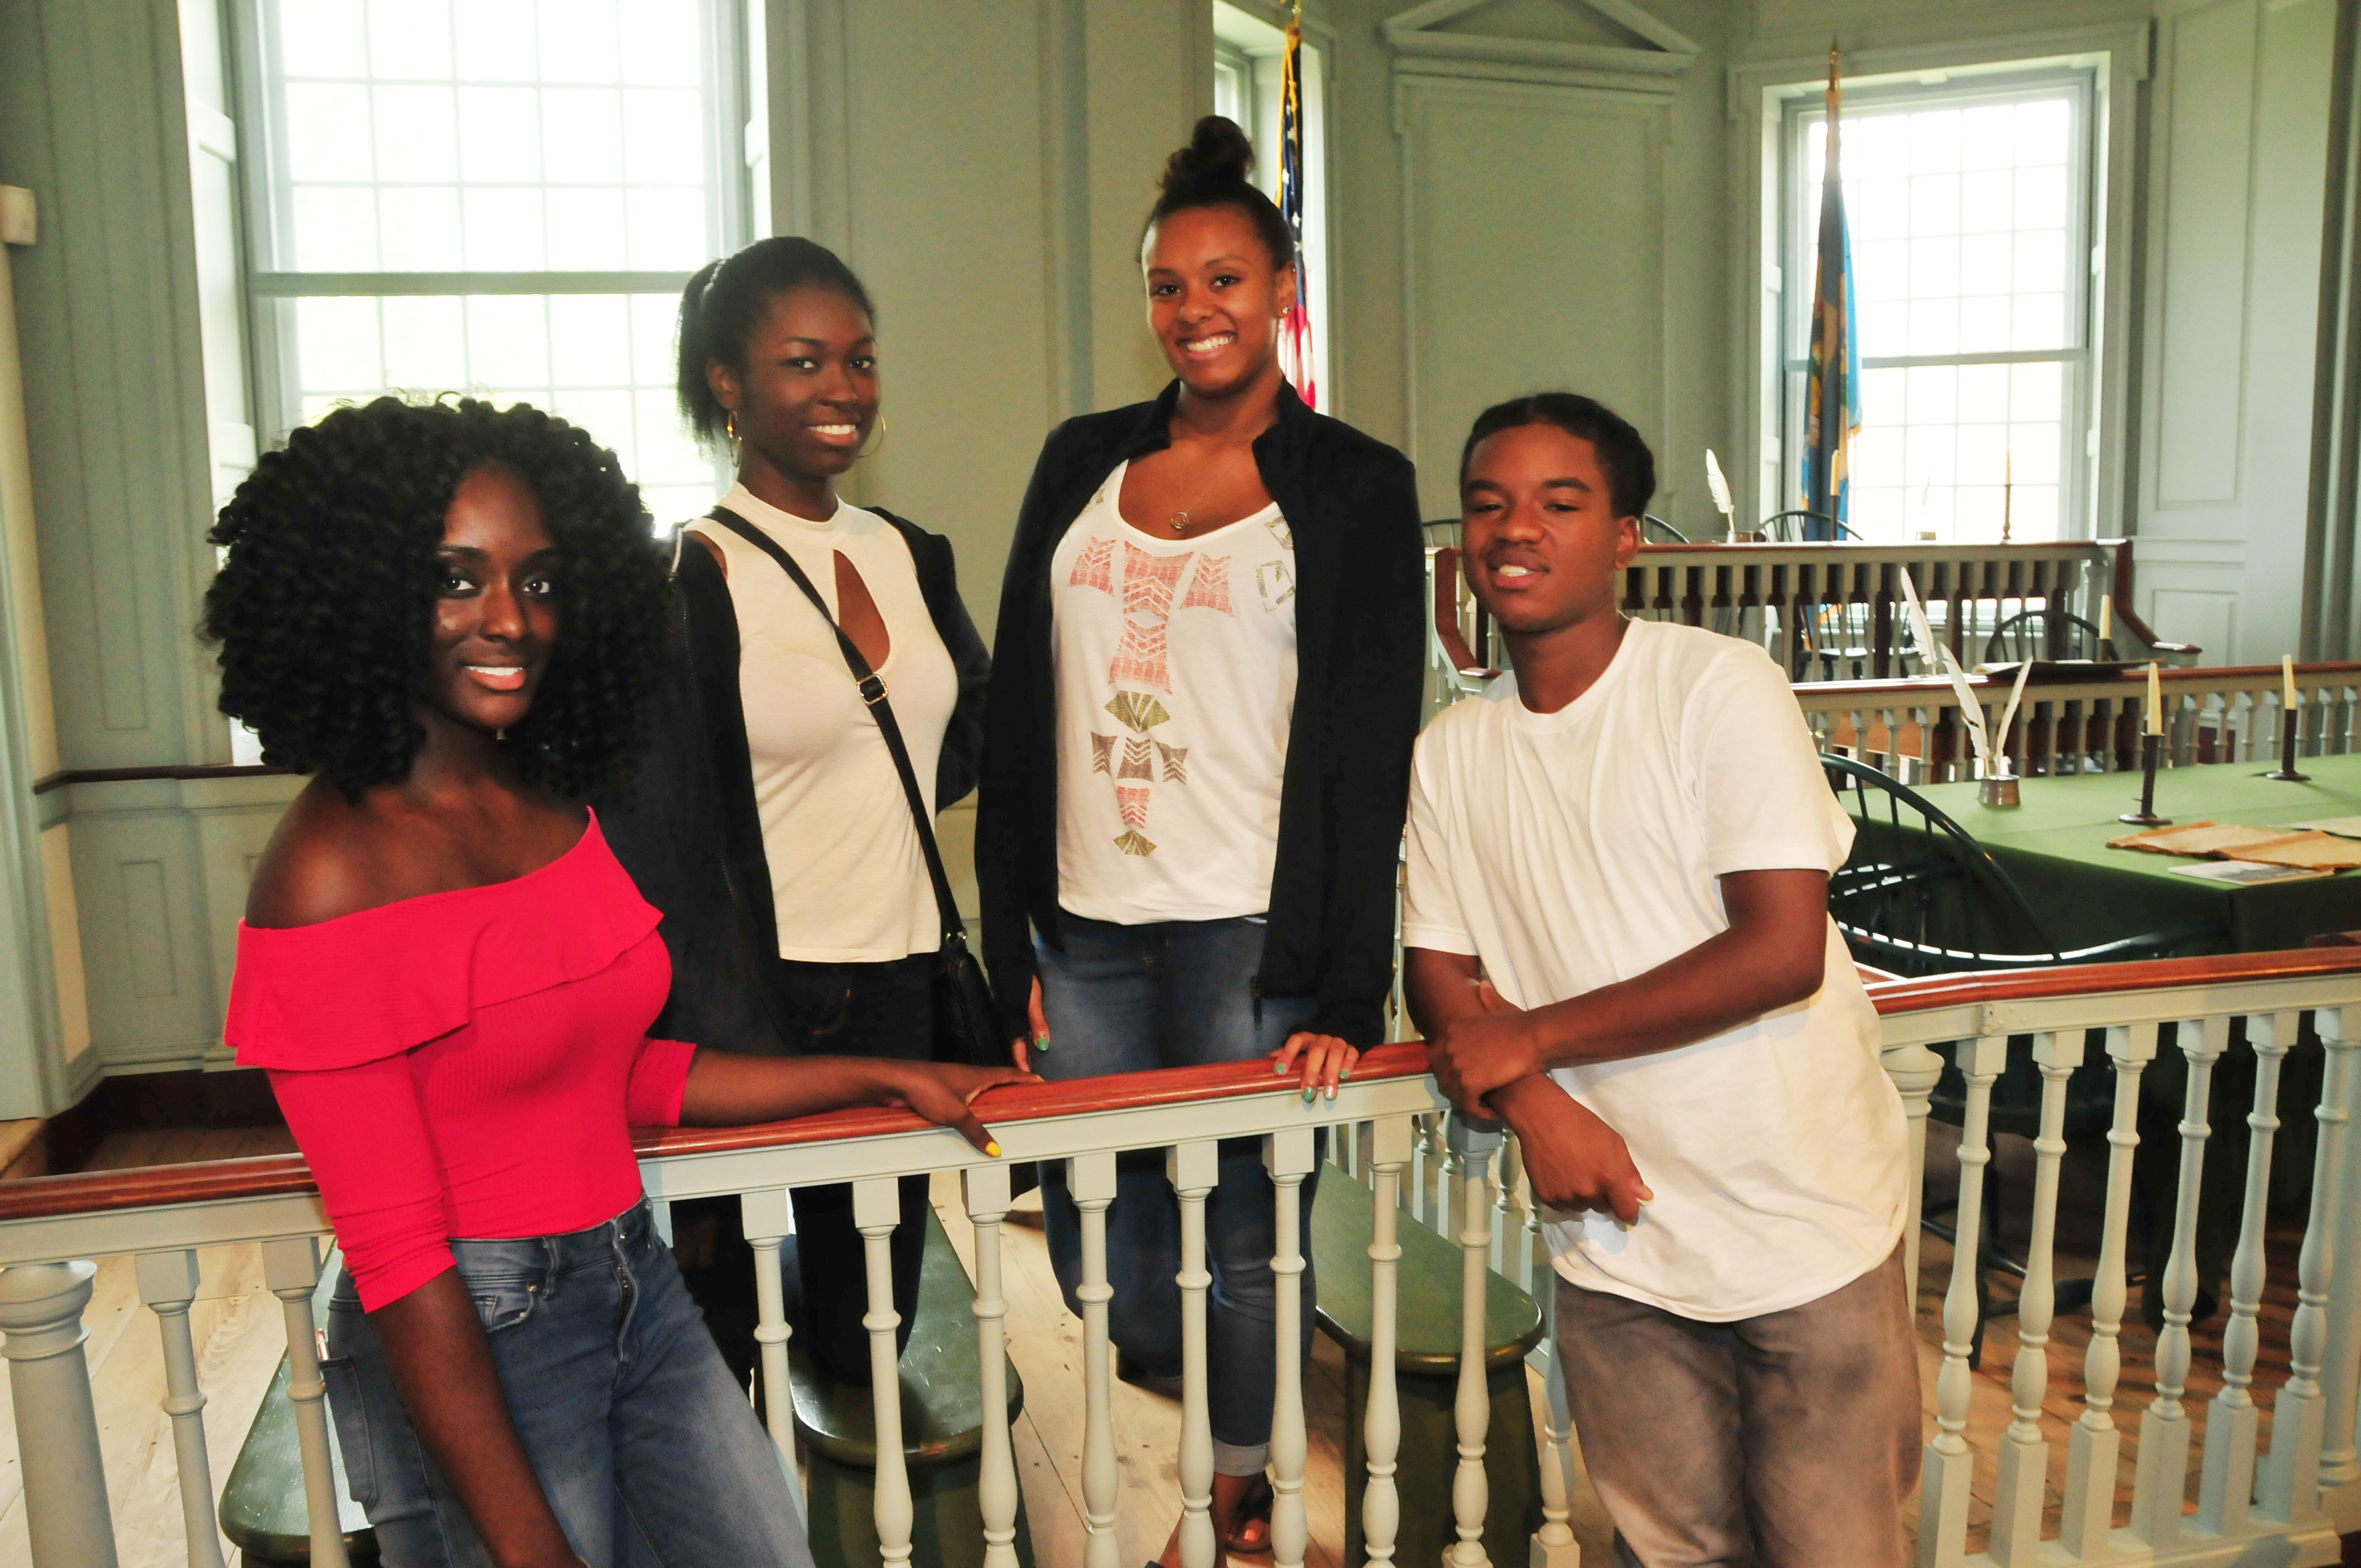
x=1176 y=994
x=645 y=1445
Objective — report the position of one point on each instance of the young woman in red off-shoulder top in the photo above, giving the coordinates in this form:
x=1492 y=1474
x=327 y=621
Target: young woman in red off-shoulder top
x=449 y=615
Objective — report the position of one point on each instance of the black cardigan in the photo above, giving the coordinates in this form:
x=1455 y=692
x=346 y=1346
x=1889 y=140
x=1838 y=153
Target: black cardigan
x=686 y=827
x=1351 y=505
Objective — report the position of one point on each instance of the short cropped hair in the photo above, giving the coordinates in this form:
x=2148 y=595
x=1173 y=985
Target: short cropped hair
x=1623 y=451
x=325 y=605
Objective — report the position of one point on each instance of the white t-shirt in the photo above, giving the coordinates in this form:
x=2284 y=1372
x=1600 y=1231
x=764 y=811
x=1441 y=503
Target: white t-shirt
x=848 y=879
x=1573 y=849
x=1176 y=689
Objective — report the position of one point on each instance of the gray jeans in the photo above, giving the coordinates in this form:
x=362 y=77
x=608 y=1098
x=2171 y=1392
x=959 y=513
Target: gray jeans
x=1786 y=1441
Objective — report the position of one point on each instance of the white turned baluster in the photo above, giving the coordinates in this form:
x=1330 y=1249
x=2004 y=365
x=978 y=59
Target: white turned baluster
x=1553 y=1544
x=2088 y=1508
x=2023 y=1453
x=660 y=1216
x=1914 y=1071
x=1390 y=1144
x=1290 y=1157
x=1943 y=1499
x=2290 y=1486
x=167 y=1283
x=1193 y=1169
x=876 y=1210
x=1528 y=1250
x=2340 y=1366
x=1091 y=1180
x=2160 y=1483
x=290 y=1267
x=986 y=1188
x=1472 y=1148
x=2225 y=1491
x=66 y=1513
x=1420 y=1180
x=763 y=1216
x=1505 y=1228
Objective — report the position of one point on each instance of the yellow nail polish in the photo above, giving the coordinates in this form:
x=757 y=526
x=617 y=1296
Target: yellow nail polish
x=992 y=1149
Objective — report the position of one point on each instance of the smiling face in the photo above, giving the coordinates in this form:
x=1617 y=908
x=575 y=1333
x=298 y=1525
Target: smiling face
x=1215 y=298
x=1541 y=539
x=496 y=610
x=807 y=395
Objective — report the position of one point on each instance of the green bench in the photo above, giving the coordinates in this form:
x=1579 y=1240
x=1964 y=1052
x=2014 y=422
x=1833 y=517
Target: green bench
x=942 y=1434
x=1426 y=1367
x=262 y=1509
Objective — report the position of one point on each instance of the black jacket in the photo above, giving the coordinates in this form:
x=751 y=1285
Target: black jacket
x=686 y=827
x=1352 y=504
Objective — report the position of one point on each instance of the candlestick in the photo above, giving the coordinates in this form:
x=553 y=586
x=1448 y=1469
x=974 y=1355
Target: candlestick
x=2106 y=626
x=2290 y=725
x=2146 y=817
x=2154 y=701
x=2007 y=493
x=2287 y=682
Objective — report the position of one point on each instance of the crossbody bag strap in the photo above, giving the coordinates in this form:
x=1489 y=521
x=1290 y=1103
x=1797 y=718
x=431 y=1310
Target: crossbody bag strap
x=873 y=692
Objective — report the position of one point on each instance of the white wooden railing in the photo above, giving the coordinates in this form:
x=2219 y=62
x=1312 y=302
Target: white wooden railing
x=1911 y=728
x=2278 y=1499
x=1829 y=612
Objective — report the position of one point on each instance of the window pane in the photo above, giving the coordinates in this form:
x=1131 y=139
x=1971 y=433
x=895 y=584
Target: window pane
x=582 y=135
x=324 y=38
x=425 y=344
x=339 y=345
x=1960 y=213
x=409 y=40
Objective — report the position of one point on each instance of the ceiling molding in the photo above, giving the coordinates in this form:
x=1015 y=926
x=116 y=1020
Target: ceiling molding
x=1420 y=51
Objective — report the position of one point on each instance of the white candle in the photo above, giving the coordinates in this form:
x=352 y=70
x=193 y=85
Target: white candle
x=2154 y=701
x=2287 y=683
x=2107 y=617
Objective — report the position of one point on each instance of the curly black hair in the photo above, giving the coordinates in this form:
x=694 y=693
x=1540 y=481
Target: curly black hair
x=324 y=604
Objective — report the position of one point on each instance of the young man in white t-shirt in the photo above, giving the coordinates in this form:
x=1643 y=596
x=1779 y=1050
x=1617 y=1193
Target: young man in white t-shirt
x=1616 y=937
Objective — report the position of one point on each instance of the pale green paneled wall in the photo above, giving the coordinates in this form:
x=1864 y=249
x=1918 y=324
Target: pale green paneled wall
x=986 y=165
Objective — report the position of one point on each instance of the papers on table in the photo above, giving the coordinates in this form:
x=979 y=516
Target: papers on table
x=2343 y=827
x=2307 y=850
x=2246 y=873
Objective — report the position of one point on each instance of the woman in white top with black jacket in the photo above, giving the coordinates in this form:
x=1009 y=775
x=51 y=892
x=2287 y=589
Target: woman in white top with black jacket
x=772 y=827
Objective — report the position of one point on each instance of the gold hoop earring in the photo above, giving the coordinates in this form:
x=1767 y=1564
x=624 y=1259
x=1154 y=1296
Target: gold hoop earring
x=876 y=446
x=730 y=434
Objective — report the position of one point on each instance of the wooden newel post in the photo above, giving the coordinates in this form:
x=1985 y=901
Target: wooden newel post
x=57 y=1426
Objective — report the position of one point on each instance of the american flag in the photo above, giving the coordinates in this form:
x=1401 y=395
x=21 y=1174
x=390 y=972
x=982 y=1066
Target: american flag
x=1833 y=387
x=1295 y=334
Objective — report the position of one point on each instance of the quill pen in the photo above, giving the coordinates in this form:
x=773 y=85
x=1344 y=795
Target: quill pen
x=1940 y=661
x=2008 y=714
x=1718 y=487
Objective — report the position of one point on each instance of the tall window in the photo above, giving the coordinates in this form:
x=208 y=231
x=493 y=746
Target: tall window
x=496 y=196
x=1970 y=203
x=1248 y=67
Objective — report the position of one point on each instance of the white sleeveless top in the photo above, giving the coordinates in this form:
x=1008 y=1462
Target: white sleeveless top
x=1175 y=666
x=848 y=879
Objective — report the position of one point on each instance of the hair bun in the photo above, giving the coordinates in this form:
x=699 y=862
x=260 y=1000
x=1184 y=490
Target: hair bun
x=1218 y=154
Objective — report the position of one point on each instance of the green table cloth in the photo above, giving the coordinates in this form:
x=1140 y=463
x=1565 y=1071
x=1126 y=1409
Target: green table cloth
x=2054 y=847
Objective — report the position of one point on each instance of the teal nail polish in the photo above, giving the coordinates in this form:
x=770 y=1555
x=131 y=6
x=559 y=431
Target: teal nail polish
x=1344 y=1075
x=1307 y=1096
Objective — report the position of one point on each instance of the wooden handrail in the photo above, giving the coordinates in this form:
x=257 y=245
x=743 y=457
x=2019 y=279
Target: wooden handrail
x=1895 y=997
x=272 y=1176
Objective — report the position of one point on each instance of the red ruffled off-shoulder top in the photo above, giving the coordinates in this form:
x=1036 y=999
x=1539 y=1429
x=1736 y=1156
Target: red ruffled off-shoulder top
x=466 y=1063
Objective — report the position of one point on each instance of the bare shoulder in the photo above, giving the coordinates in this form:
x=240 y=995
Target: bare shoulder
x=326 y=859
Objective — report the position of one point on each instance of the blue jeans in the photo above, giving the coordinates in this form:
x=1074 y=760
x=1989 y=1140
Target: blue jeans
x=1176 y=994
x=644 y=1444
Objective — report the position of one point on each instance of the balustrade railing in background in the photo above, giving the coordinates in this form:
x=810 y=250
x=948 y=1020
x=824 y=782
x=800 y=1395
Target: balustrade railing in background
x=1830 y=613
x=1911 y=728
x=2271 y=1485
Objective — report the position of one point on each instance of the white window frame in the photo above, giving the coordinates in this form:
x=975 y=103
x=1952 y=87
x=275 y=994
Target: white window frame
x=1803 y=121
x=2118 y=53
x=276 y=378
x=1250 y=48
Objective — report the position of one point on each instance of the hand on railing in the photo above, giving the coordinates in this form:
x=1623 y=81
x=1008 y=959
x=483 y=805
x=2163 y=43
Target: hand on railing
x=943 y=1092
x=1574 y=1161
x=1328 y=1062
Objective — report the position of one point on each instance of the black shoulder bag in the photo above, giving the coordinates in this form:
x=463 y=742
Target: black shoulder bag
x=966 y=1027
